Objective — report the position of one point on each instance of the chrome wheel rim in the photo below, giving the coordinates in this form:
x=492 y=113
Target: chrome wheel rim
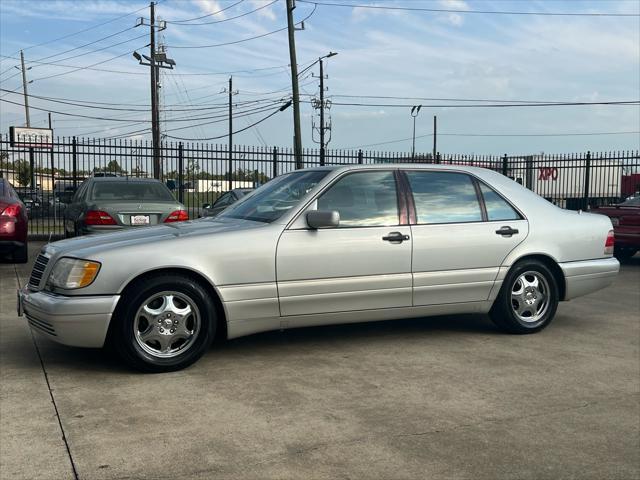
x=530 y=297
x=167 y=324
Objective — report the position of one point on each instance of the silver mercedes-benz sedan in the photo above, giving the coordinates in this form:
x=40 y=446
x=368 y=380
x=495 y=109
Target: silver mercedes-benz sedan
x=322 y=246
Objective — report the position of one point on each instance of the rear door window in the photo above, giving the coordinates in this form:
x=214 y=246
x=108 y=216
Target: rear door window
x=444 y=197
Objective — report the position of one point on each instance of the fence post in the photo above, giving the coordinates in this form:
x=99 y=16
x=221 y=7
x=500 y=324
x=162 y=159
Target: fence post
x=587 y=180
x=32 y=169
x=275 y=162
x=230 y=167
x=180 y=175
x=360 y=157
x=74 y=164
x=438 y=158
x=505 y=165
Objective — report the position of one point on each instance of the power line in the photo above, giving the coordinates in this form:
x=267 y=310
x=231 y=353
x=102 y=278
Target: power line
x=488 y=105
x=88 y=66
x=226 y=19
x=207 y=15
x=238 y=131
x=235 y=42
x=232 y=72
x=85 y=45
x=85 y=29
x=399 y=140
x=101 y=105
x=484 y=12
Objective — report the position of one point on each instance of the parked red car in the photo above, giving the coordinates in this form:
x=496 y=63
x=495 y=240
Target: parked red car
x=13 y=224
x=625 y=217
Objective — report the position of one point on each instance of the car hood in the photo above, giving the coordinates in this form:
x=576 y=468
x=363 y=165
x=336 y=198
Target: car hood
x=84 y=246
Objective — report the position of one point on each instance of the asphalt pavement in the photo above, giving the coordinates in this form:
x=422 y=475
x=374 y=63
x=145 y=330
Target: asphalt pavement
x=437 y=398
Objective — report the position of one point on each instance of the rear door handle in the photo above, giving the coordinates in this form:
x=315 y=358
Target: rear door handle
x=395 y=237
x=507 y=231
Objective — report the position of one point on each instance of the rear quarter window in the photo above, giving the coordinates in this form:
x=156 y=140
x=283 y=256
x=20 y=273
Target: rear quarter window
x=497 y=207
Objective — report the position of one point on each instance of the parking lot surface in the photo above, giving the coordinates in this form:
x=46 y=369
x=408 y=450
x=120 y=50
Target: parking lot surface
x=437 y=398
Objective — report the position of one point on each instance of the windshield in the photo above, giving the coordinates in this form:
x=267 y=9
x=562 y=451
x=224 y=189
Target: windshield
x=276 y=197
x=632 y=202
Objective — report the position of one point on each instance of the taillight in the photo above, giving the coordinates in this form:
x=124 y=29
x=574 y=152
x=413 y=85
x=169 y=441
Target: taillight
x=11 y=211
x=98 y=217
x=608 y=244
x=177 y=216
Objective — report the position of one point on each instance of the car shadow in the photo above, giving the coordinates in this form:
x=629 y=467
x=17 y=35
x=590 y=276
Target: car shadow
x=378 y=331
x=89 y=361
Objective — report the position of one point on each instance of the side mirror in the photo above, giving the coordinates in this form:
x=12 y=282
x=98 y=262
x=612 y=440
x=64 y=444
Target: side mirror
x=206 y=205
x=323 y=219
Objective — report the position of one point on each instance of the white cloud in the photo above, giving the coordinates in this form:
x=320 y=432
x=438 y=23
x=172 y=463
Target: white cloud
x=266 y=12
x=209 y=7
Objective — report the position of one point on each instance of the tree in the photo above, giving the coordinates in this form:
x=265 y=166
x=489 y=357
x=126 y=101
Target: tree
x=112 y=167
x=193 y=167
x=22 y=171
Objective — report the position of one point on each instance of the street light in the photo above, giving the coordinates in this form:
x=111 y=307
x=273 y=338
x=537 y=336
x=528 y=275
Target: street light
x=328 y=55
x=415 y=110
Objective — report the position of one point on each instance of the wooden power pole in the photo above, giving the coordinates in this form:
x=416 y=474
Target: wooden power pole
x=297 y=135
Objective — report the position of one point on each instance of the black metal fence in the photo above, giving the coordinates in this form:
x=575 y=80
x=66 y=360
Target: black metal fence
x=198 y=173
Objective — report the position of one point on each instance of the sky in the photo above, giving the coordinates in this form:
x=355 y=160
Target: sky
x=412 y=54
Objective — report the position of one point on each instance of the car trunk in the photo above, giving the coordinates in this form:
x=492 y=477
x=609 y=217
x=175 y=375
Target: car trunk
x=138 y=214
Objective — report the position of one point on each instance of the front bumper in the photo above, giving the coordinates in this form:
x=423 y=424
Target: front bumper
x=70 y=320
x=588 y=276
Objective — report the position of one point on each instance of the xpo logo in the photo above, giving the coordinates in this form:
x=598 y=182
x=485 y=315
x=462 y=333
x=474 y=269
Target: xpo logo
x=547 y=173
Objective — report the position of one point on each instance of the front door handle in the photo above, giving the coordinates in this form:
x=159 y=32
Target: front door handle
x=507 y=231
x=395 y=237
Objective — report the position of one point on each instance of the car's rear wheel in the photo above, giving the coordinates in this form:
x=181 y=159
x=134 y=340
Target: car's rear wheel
x=528 y=299
x=624 y=253
x=21 y=254
x=163 y=324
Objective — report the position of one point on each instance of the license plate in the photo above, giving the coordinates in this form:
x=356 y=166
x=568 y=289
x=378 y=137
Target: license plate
x=615 y=222
x=139 y=219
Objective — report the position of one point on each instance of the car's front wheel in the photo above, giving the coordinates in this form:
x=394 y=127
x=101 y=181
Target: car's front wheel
x=528 y=299
x=164 y=323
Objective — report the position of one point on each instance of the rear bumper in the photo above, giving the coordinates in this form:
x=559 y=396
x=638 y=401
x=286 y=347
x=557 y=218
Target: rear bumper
x=588 y=276
x=75 y=321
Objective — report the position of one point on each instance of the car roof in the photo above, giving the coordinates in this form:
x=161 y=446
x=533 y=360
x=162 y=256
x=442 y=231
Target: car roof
x=123 y=179
x=405 y=166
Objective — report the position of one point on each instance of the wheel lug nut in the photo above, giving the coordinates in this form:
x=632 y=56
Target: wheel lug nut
x=175 y=322
x=172 y=330
x=161 y=329
x=159 y=320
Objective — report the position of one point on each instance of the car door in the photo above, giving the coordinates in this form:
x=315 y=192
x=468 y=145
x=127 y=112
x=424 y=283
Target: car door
x=462 y=230
x=364 y=263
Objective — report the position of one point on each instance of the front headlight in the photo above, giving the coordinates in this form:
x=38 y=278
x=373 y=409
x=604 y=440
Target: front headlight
x=70 y=273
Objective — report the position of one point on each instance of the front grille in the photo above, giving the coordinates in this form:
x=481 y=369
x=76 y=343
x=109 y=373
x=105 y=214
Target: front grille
x=38 y=270
x=41 y=325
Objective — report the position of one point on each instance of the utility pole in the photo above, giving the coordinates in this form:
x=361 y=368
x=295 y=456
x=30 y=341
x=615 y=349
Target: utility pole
x=297 y=136
x=435 y=135
x=156 y=61
x=155 y=116
x=24 y=88
x=321 y=114
x=230 y=174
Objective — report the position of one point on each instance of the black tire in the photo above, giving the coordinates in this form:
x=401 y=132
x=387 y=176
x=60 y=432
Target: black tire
x=21 y=254
x=503 y=313
x=125 y=341
x=624 y=253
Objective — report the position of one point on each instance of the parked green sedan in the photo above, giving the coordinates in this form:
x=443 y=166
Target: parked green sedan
x=106 y=204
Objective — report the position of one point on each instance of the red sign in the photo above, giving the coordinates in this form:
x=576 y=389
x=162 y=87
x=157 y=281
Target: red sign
x=546 y=173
